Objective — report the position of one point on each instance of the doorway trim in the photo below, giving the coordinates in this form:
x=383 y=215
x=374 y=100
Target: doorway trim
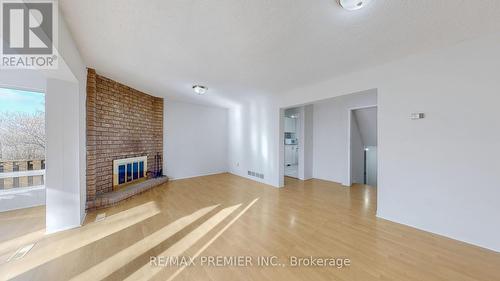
x=350 y=110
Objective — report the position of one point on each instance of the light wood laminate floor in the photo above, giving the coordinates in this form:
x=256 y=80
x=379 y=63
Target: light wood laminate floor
x=226 y=215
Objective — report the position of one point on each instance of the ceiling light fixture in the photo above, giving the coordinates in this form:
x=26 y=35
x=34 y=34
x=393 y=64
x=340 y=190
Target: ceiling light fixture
x=352 y=5
x=200 y=90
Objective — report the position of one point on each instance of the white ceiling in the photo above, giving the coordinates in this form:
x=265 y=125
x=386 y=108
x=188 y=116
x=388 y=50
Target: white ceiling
x=244 y=48
x=366 y=119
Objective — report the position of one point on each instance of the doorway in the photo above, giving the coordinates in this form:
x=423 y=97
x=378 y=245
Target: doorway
x=296 y=143
x=292 y=146
x=363 y=142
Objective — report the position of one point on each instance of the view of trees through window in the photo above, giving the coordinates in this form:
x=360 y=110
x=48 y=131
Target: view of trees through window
x=22 y=138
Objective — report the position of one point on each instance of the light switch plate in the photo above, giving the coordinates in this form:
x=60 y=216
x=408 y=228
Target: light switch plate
x=417 y=116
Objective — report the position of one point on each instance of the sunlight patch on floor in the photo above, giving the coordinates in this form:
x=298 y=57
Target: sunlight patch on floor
x=147 y=271
x=198 y=253
x=115 y=262
x=21 y=252
x=76 y=238
x=12 y=244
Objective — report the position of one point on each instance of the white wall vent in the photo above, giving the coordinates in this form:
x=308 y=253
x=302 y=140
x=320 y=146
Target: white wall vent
x=255 y=174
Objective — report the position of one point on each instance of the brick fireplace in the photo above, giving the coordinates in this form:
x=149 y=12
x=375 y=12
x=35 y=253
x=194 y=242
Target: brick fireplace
x=121 y=123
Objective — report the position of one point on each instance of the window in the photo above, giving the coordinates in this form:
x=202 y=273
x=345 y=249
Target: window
x=43 y=164
x=22 y=147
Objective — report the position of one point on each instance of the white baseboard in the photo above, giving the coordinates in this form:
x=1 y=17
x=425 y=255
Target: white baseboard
x=196 y=176
x=62 y=229
x=447 y=235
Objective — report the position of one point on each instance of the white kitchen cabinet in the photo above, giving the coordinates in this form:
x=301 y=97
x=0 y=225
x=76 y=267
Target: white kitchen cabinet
x=290 y=125
x=291 y=154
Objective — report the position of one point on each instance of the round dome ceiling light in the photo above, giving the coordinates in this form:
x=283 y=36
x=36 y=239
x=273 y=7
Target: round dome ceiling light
x=200 y=90
x=352 y=5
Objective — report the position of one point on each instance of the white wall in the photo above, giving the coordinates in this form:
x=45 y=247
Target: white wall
x=195 y=139
x=255 y=139
x=30 y=80
x=62 y=169
x=66 y=136
x=73 y=60
x=330 y=141
x=357 y=152
x=441 y=173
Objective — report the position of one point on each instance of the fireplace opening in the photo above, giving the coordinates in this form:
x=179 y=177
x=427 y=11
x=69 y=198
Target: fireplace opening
x=129 y=170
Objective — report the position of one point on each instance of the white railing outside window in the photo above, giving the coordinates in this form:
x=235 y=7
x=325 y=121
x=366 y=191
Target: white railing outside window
x=22 y=174
x=13 y=198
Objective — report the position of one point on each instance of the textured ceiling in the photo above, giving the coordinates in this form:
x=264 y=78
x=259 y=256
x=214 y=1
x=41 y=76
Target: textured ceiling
x=245 y=48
